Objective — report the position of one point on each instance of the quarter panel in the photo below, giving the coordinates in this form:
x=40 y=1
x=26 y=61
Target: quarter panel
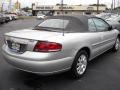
x=73 y=42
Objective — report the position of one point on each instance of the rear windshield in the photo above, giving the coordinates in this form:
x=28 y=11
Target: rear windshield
x=66 y=23
x=54 y=23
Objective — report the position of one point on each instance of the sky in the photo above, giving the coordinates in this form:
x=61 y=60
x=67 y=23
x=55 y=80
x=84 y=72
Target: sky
x=53 y=2
x=25 y=3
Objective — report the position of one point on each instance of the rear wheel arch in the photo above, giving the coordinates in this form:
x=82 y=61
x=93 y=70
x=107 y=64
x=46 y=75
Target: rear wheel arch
x=87 y=49
x=116 y=45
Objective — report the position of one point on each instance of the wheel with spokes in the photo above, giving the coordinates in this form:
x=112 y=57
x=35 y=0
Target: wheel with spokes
x=80 y=64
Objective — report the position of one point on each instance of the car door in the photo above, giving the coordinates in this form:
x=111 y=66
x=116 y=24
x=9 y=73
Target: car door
x=107 y=36
x=95 y=39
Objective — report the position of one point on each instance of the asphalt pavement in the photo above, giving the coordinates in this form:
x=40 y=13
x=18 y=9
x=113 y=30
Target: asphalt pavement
x=103 y=72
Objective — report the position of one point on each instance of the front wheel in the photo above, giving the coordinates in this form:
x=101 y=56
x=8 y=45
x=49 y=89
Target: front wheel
x=116 y=46
x=80 y=64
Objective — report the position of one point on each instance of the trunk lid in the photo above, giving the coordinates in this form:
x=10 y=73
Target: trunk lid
x=33 y=34
x=25 y=40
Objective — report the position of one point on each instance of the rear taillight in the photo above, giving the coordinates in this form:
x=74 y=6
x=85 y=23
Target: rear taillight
x=44 y=46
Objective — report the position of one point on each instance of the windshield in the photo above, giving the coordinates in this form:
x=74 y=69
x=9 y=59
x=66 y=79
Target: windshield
x=53 y=23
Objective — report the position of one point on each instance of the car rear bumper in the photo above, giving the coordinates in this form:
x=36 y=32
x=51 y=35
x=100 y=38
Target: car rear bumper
x=39 y=67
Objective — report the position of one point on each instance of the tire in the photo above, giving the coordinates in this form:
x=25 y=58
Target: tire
x=79 y=66
x=2 y=22
x=7 y=21
x=116 y=45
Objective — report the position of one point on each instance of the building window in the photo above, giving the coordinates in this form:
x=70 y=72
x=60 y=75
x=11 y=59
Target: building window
x=66 y=12
x=58 y=13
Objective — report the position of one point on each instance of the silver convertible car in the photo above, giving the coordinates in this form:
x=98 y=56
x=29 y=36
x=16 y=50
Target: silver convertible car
x=60 y=43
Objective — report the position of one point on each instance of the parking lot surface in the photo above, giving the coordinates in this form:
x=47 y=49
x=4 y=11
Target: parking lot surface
x=103 y=72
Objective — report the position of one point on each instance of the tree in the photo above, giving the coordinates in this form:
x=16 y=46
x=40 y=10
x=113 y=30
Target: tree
x=26 y=9
x=96 y=5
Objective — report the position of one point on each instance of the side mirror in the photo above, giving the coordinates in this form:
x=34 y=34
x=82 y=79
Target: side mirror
x=110 y=28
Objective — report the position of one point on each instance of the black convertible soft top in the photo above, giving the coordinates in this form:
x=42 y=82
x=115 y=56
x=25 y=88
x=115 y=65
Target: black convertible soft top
x=77 y=23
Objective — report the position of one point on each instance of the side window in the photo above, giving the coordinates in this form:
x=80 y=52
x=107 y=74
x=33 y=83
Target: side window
x=91 y=25
x=100 y=25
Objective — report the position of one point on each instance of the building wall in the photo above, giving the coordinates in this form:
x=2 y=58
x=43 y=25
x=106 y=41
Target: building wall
x=68 y=12
x=67 y=9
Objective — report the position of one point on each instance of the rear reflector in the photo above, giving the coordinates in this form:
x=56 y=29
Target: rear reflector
x=44 y=46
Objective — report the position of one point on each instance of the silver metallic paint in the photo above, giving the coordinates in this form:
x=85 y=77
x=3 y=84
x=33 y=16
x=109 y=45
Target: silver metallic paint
x=44 y=63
